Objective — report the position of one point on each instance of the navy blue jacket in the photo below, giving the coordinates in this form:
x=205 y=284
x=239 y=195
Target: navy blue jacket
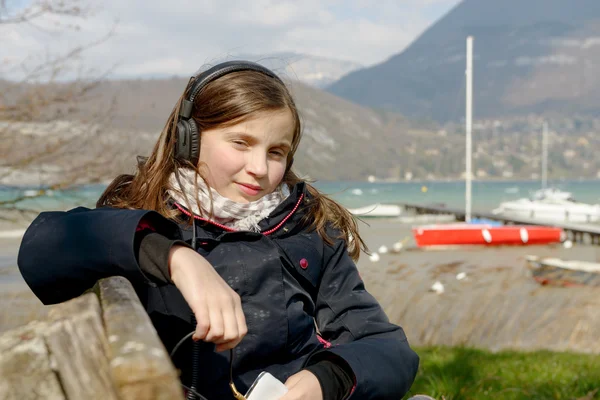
x=293 y=287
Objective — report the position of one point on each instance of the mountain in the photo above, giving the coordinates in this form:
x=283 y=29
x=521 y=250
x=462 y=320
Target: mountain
x=94 y=140
x=341 y=140
x=338 y=136
x=312 y=70
x=530 y=56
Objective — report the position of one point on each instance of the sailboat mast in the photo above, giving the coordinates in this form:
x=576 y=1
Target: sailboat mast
x=469 y=126
x=545 y=156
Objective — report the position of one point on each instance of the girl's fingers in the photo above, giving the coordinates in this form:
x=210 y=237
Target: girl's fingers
x=241 y=320
x=227 y=345
x=303 y=385
x=236 y=318
x=230 y=324
x=215 y=333
x=202 y=322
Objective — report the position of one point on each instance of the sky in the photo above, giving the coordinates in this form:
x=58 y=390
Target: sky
x=176 y=37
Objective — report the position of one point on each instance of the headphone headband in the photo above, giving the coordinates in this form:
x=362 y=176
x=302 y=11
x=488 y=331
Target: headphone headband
x=204 y=78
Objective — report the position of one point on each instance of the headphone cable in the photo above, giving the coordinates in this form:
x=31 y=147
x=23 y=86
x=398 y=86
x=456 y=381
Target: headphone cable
x=192 y=390
x=196 y=345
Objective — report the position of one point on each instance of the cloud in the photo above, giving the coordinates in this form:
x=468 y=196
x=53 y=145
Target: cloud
x=177 y=36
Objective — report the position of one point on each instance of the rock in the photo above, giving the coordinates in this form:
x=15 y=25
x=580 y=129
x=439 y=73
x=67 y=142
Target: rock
x=437 y=287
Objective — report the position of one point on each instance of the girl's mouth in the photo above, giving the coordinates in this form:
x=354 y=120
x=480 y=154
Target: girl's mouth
x=250 y=190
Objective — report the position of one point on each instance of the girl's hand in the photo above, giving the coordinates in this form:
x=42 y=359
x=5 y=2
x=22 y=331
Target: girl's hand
x=217 y=307
x=303 y=386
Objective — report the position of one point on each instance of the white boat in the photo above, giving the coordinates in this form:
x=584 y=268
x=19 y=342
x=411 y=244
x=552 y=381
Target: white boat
x=550 y=205
x=377 y=210
x=553 y=194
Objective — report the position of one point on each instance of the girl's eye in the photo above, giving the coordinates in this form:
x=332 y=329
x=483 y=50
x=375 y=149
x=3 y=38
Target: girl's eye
x=240 y=142
x=277 y=153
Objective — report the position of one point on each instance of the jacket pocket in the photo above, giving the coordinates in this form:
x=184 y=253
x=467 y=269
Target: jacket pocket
x=301 y=254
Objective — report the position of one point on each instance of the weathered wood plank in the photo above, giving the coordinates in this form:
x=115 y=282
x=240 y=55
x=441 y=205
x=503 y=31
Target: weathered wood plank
x=101 y=345
x=141 y=366
x=78 y=344
x=26 y=366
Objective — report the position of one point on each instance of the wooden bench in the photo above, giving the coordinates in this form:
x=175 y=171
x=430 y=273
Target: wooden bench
x=100 y=345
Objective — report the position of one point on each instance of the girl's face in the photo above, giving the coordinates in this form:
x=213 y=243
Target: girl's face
x=246 y=161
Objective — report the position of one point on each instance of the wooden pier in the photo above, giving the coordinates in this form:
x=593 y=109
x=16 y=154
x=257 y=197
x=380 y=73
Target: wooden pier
x=577 y=233
x=100 y=345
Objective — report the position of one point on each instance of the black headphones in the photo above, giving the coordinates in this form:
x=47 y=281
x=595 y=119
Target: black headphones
x=187 y=146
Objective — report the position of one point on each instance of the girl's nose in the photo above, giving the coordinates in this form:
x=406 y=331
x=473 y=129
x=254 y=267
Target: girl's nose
x=257 y=164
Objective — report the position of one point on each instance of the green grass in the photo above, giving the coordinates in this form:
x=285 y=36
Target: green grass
x=463 y=373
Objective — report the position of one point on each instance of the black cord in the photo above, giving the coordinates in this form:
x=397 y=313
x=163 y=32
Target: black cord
x=189 y=335
x=195 y=366
x=189 y=389
x=192 y=390
x=186 y=337
x=193 y=233
x=196 y=346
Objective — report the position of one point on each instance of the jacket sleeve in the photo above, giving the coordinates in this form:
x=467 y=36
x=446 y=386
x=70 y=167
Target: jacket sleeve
x=63 y=254
x=348 y=317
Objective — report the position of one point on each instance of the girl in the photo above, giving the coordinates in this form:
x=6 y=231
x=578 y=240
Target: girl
x=216 y=225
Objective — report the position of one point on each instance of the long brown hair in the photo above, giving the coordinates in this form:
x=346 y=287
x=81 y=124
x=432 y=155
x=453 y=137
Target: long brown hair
x=226 y=101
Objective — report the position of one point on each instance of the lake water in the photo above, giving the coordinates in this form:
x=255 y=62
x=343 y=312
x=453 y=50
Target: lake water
x=485 y=195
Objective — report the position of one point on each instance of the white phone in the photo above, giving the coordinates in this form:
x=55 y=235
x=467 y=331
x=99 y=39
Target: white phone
x=266 y=387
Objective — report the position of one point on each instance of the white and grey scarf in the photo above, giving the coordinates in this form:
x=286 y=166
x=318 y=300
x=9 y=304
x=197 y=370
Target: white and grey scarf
x=239 y=216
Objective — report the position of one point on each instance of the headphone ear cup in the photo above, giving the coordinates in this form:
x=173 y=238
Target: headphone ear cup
x=187 y=146
x=194 y=141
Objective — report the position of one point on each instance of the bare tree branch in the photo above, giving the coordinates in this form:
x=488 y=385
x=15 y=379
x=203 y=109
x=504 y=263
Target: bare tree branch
x=50 y=138
x=69 y=8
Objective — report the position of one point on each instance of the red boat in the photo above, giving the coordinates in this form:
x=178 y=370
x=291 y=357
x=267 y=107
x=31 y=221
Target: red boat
x=488 y=235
